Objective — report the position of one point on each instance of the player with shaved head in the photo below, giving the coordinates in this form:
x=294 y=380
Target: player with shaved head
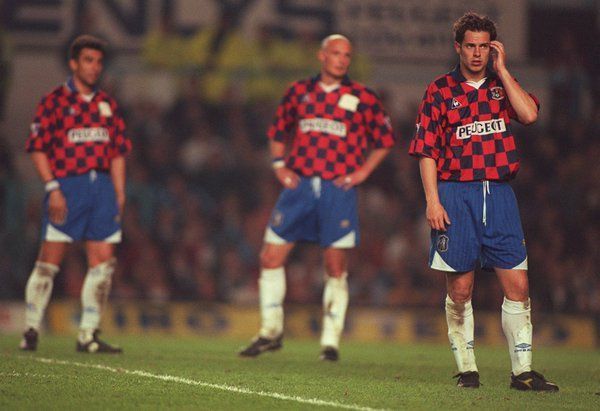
x=328 y=136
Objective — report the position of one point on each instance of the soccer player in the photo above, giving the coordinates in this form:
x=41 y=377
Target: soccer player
x=467 y=155
x=330 y=122
x=78 y=147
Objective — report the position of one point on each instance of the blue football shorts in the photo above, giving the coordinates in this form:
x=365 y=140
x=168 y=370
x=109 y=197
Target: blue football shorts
x=316 y=211
x=485 y=231
x=92 y=211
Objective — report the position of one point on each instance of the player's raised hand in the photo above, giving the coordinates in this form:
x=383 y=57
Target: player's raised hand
x=287 y=177
x=498 y=55
x=57 y=207
x=437 y=217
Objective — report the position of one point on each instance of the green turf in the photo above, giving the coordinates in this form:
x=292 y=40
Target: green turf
x=379 y=376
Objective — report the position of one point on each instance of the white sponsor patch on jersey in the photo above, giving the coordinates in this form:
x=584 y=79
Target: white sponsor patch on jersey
x=104 y=109
x=481 y=128
x=86 y=135
x=349 y=102
x=323 y=125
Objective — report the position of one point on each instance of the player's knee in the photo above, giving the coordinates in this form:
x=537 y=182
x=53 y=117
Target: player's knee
x=335 y=266
x=335 y=271
x=460 y=295
x=269 y=259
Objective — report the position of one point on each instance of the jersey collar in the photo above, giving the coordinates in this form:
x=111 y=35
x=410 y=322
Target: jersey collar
x=345 y=81
x=70 y=85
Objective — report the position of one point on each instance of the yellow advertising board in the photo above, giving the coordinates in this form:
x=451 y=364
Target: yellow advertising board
x=362 y=324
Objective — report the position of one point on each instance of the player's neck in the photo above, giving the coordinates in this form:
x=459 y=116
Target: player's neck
x=83 y=88
x=330 y=80
x=472 y=76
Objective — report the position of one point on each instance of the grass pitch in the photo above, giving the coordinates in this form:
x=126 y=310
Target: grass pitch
x=162 y=372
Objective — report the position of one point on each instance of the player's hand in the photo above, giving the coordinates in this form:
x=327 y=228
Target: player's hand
x=287 y=177
x=437 y=217
x=57 y=207
x=498 y=55
x=350 y=180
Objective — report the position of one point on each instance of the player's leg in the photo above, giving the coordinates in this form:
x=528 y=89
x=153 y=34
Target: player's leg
x=339 y=231
x=94 y=296
x=55 y=239
x=461 y=326
x=504 y=250
x=103 y=231
x=518 y=329
x=271 y=288
x=456 y=253
x=335 y=301
x=39 y=289
x=293 y=219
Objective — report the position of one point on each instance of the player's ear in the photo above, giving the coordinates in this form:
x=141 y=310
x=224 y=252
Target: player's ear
x=457 y=47
x=73 y=64
x=321 y=55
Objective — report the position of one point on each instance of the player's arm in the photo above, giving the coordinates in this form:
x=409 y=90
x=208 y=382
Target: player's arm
x=57 y=204
x=436 y=215
x=287 y=177
x=117 y=174
x=373 y=160
x=523 y=104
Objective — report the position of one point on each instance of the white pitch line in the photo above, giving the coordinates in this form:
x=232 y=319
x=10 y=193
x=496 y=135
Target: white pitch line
x=222 y=387
x=25 y=374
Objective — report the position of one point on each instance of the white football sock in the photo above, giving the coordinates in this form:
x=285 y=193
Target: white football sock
x=461 y=331
x=38 y=292
x=335 y=303
x=271 y=285
x=516 y=323
x=94 y=295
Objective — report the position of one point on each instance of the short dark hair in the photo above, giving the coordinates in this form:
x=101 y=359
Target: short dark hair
x=474 y=22
x=86 y=41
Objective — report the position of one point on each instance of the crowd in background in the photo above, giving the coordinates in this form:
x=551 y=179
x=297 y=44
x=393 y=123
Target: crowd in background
x=200 y=192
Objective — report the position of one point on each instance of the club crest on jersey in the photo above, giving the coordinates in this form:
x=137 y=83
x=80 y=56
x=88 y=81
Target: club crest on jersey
x=305 y=99
x=104 y=109
x=345 y=223
x=456 y=103
x=442 y=243
x=497 y=93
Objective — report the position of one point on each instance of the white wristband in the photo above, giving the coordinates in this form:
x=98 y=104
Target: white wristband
x=278 y=164
x=51 y=186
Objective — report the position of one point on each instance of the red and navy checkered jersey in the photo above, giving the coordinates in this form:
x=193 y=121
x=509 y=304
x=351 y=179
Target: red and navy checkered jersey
x=330 y=132
x=76 y=135
x=467 y=130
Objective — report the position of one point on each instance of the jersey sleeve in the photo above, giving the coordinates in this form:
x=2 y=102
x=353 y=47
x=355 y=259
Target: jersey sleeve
x=427 y=141
x=121 y=144
x=378 y=125
x=40 y=133
x=285 y=118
